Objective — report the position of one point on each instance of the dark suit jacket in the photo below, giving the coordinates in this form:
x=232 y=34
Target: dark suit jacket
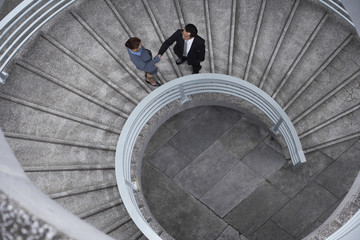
x=197 y=50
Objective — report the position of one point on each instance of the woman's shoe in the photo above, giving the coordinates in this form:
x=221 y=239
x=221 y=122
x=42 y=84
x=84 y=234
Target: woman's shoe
x=154 y=85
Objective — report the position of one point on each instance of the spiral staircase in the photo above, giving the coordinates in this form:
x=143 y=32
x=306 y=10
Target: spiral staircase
x=71 y=87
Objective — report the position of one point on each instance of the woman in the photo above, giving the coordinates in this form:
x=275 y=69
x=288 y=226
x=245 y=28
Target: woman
x=142 y=59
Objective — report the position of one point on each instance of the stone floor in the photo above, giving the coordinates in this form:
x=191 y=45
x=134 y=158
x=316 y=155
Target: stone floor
x=209 y=173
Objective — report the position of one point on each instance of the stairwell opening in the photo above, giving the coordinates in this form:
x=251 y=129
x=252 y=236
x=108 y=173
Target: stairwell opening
x=203 y=165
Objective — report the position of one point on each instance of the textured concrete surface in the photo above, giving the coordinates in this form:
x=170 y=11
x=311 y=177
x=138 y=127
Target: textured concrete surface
x=247 y=185
x=200 y=133
x=236 y=186
x=304 y=209
x=186 y=217
x=256 y=210
x=206 y=170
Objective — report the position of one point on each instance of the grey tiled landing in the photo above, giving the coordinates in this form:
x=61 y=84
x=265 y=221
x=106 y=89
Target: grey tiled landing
x=180 y=214
x=235 y=186
x=254 y=211
x=292 y=180
x=161 y=136
x=238 y=174
x=243 y=137
x=206 y=170
x=168 y=160
x=271 y=231
x=264 y=160
x=230 y=233
x=340 y=175
x=203 y=130
x=304 y=209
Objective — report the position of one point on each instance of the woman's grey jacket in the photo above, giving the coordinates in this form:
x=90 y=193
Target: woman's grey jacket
x=144 y=61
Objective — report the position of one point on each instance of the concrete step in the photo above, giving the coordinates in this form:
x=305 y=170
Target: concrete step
x=308 y=19
x=264 y=43
x=245 y=27
x=91 y=203
x=146 y=28
x=221 y=30
x=329 y=41
x=68 y=33
x=65 y=99
x=333 y=131
x=126 y=231
x=44 y=123
x=337 y=106
x=47 y=58
x=63 y=183
x=110 y=220
x=343 y=70
x=43 y=156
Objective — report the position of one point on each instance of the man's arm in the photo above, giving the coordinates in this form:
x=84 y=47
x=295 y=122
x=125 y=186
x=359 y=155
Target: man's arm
x=169 y=42
x=202 y=51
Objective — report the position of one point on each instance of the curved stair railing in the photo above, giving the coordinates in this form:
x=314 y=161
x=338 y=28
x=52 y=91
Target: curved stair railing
x=337 y=7
x=180 y=89
x=21 y=23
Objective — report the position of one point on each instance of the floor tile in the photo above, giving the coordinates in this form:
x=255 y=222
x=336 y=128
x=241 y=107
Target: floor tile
x=161 y=136
x=168 y=160
x=309 y=230
x=256 y=209
x=270 y=231
x=293 y=179
x=288 y=182
x=338 y=178
x=243 y=137
x=203 y=130
x=178 y=212
x=351 y=156
x=180 y=120
x=229 y=233
x=316 y=162
x=207 y=169
x=304 y=209
x=273 y=144
x=340 y=175
x=264 y=160
x=235 y=186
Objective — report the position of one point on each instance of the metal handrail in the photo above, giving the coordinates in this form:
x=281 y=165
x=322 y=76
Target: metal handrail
x=178 y=90
x=38 y=19
x=341 y=12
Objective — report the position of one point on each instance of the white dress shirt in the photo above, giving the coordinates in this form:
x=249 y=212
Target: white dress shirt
x=187 y=46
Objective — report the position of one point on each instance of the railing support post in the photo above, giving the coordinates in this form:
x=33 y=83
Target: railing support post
x=183 y=98
x=134 y=185
x=3 y=77
x=275 y=128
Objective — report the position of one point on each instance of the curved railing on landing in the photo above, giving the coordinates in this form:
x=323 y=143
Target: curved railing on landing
x=21 y=23
x=180 y=89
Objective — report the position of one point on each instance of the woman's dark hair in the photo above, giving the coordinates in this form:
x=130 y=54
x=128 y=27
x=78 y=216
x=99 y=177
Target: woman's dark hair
x=190 y=28
x=133 y=43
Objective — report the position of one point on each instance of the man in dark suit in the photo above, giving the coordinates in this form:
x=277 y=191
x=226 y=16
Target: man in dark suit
x=189 y=47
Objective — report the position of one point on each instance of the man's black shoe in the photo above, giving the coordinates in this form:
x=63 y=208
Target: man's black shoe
x=179 y=61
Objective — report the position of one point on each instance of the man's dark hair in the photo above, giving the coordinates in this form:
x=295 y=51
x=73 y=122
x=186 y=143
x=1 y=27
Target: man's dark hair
x=133 y=43
x=190 y=28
